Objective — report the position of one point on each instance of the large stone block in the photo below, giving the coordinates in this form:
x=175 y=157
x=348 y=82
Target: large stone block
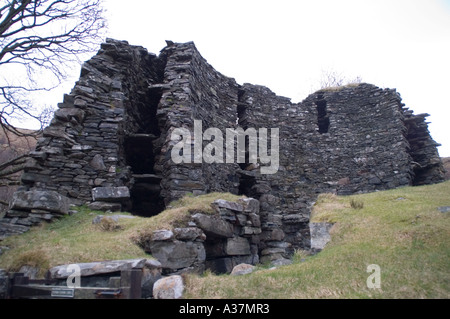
x=66 y=114
x=44 y=200
x=250 y=205
x=97 y=268
x=320 y=235
x=176 y=254
x=221 y=203
x=213 y=226
x=237 y=246
x=110 y=194
x=171 y=287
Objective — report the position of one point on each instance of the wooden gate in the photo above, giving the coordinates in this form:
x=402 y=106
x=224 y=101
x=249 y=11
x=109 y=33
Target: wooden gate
x=126 y=286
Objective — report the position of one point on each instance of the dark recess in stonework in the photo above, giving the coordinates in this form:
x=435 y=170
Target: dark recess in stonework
x=323 y=120
x=140 y=156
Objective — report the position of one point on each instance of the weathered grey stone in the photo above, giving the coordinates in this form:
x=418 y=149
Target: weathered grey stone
x=108 y=194
x=176 y=254
x=46 y=200
x=97 y=163
x=57 y=132
x=97 y=268
x=237 y=246
x=273 y=235
x=29 y=271
x=29 y=177
x=66 y=114
x=320 y=235
x=189 y=234
x=17 y=213
x=242 y=269
x=4 y=284
x=249 y=230
x=221 y=203
x=171 y=287
x=295 y=219
x=213 y=226
x=254 y=220
x=9 y=229
x=162 y=235
x=444 y=209
x=105 y=206
x=250 y=205
x=81 y=147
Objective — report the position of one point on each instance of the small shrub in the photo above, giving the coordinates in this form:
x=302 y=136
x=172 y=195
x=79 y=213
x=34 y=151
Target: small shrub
x=356 y=204
x=35 y=258
x=108 y=224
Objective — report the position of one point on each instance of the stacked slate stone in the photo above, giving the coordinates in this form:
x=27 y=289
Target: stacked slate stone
x=83 y=148
x=427 y=165
x=217 y=242
x=193 y=90
x=109 y=144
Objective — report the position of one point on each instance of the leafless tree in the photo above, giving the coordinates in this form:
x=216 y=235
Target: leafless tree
x=39 y=39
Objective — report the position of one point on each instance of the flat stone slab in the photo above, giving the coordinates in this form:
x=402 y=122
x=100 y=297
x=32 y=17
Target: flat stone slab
x=444 y=209
x=105 y=206
x=213 y=226
x=43 y=200
x=237 y=246
x=97 y=268
x=7 y=229
x=110 y=194
x=221 y=203
x=320 y=234
x=177 y=254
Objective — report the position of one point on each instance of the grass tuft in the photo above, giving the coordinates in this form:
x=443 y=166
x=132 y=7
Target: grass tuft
x=356 y=204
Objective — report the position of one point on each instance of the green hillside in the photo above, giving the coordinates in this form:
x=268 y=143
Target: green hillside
x=402 y=231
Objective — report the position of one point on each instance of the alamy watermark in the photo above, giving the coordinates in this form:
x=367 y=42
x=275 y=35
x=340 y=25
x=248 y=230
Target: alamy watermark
x=374 y=280
x=213 y=152
x=74 y=279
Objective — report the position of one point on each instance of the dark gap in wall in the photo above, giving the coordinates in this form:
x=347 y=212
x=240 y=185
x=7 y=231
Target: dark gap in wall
x=246 y=179
x=140 y=155
x=323 y=120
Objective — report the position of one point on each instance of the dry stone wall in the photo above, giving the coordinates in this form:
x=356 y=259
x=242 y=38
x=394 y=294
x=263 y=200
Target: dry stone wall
x=109 y=144
x=218 y=241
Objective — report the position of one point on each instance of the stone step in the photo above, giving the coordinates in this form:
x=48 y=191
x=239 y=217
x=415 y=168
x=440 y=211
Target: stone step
x=147 y=178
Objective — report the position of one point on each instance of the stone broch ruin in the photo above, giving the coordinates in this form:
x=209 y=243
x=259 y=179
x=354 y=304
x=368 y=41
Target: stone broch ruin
x=110 y=140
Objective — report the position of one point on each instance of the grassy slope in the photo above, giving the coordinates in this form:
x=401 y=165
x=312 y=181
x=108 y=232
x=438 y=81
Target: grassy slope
x=75 y=239
x=400 y=230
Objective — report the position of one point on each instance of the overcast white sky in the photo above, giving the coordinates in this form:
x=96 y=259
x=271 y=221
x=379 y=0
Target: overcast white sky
x=285 y=45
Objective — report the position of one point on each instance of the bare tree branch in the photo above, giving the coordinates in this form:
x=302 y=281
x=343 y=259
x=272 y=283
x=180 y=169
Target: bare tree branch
x=42 y=37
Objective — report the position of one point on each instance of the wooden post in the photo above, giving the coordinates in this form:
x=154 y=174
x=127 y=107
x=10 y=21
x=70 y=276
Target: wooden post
x=131 y=283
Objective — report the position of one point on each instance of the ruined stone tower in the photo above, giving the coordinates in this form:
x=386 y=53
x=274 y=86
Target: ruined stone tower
x=110 y=140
